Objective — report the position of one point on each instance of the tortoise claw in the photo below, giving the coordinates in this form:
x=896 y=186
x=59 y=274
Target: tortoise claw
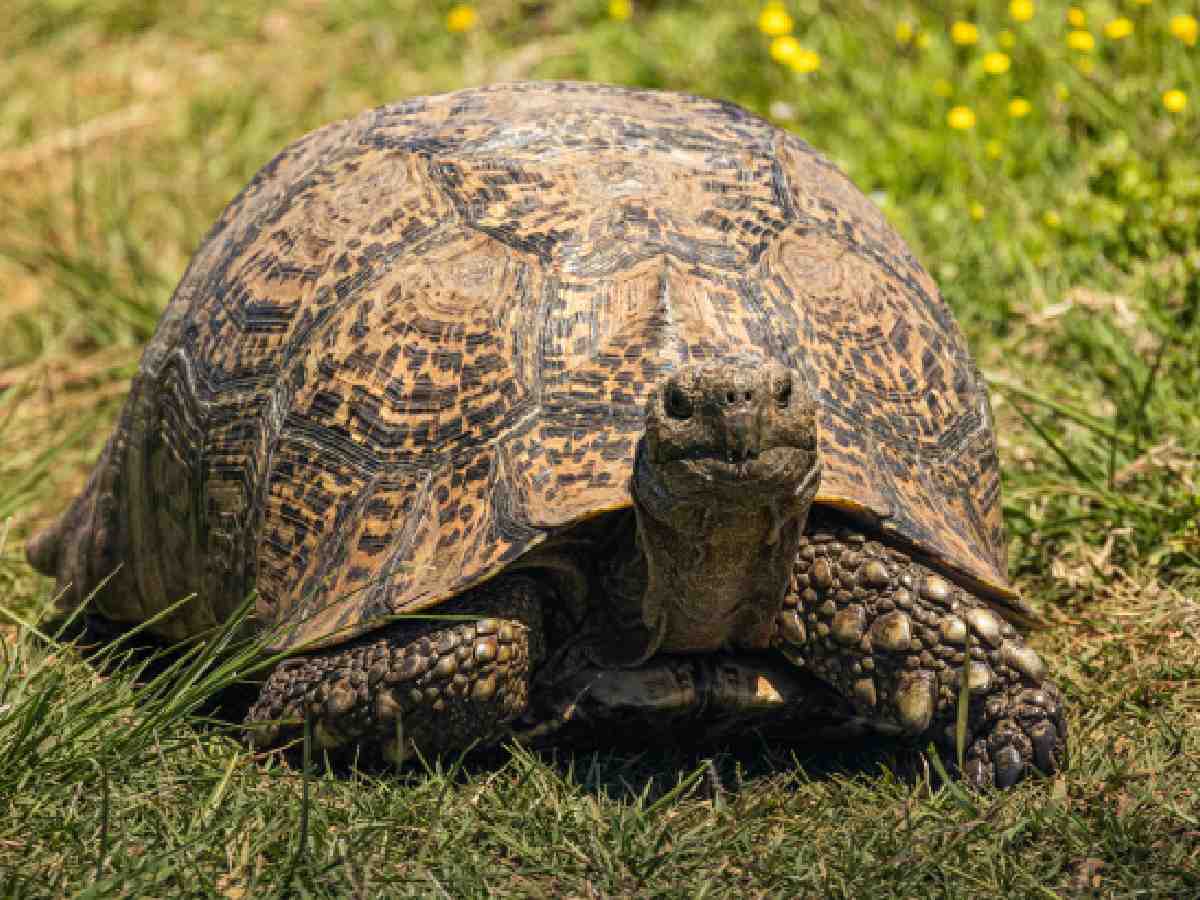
x=1029 y=733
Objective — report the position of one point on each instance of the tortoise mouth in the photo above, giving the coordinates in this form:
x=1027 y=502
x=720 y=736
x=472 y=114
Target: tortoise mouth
x=770 y=467
x=775 y=474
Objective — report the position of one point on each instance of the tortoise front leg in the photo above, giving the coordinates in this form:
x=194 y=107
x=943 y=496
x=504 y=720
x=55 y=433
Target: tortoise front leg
x=434 y=685
x=893 y=637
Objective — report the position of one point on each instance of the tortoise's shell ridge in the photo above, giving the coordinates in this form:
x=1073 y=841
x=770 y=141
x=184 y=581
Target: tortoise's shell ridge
x=420 y=341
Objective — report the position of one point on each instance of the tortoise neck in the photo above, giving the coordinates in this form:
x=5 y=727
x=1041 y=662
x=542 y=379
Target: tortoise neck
x=716 y=574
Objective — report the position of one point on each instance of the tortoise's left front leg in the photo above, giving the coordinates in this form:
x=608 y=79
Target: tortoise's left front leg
x=894 y=638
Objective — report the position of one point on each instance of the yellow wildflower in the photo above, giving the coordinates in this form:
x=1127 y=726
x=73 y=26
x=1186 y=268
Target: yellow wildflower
x=1051 y=218
x=994 y=149
x=961 y=118
x=461 y=18
x=1085 y=65
x=784 y=49
x=1076 y=17
x=1118 y=29
x=621 y=10
x=1081 y=41
x=942 y=87
x=1019 y=107
x=1175 y=100
x=923 y=40
x=964 y=33
x=805 y=61
x=1021 y=10
x=1006 y=39
x=774 y=20
x=1185 y=28
x=904 y=31
x=996 y=63
x=978 y=211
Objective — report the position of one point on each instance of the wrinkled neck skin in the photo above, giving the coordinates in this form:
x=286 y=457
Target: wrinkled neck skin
x=718 y=560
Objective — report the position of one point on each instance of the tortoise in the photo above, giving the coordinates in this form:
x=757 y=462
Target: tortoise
x=543 y=409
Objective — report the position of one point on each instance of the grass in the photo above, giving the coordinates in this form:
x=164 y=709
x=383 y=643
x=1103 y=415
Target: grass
x=1066 y=240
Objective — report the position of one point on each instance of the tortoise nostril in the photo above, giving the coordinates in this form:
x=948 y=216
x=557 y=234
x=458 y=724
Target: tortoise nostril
x=783 y=392
x=749 y=395
x=730 y=396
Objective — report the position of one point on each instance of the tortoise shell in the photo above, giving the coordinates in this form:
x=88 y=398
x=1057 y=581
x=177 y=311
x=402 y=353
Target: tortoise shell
x=419 y=344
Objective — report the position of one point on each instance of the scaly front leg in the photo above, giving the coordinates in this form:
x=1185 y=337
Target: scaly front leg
x=419 y=685
x=894 y=637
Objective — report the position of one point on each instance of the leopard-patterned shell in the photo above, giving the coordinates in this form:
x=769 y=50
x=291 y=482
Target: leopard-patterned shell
x=420 y=342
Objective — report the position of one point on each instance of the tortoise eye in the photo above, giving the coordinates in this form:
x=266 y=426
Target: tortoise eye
x=677 y=404
x=783 y=392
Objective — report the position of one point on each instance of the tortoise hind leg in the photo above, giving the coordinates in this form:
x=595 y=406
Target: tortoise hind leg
x=83 y=547
x=893 y=638
x=440 y=685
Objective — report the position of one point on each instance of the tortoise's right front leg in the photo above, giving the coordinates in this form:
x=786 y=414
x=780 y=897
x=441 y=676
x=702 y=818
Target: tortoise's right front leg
x=439 y=685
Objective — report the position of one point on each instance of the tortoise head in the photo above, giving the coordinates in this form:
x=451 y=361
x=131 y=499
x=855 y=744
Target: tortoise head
x=740 y=431
x=722 y=485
